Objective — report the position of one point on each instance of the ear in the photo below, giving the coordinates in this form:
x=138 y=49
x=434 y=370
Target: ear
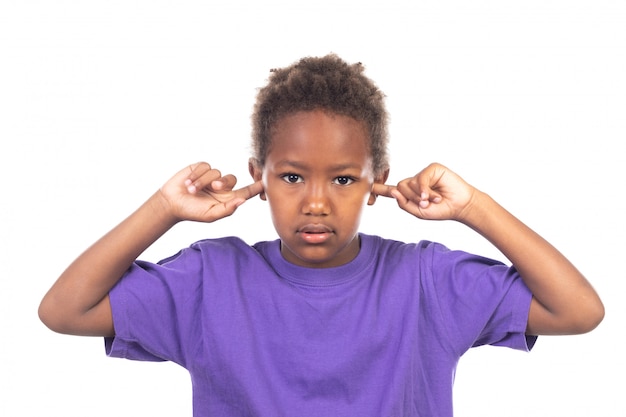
x=254 y=167
x=381 y=179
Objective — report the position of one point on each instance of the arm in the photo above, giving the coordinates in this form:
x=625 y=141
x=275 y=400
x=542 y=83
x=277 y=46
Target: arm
x=563 y=300
x=78 y=301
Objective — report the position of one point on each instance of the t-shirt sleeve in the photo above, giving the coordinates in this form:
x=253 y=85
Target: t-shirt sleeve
x=151 y=305
x=481 y=301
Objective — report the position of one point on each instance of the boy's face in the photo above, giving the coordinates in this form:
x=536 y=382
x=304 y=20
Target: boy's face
x=317 y=179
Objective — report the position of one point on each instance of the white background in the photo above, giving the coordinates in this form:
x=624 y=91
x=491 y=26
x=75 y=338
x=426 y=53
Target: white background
x=101 y=102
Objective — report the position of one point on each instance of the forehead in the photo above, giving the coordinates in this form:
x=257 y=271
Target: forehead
x=319 y=131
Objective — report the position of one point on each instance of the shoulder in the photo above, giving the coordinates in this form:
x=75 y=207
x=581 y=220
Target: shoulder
x=431 y=260
x=224 y=246
x=217 y=253
x=385 y=247
x=227 y=243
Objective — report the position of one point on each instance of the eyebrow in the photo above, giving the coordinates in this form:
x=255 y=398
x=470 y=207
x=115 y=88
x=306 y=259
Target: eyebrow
x=303 y=166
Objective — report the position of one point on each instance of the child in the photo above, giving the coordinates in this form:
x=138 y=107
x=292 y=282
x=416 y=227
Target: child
x=324 y=321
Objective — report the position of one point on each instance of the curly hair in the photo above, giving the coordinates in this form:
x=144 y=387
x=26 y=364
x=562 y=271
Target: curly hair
x=327 y=83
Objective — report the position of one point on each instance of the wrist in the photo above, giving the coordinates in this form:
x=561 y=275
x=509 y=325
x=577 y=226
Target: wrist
x=161 y=210
x=479 y=210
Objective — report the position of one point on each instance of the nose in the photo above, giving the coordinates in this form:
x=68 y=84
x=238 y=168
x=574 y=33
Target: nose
x=316 y=200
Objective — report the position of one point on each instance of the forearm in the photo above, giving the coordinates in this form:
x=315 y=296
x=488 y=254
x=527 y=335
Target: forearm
x=83 y=286
x=564 y=301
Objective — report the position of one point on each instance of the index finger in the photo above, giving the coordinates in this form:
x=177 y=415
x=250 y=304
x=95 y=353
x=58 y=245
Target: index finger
x=383 y=189
x=249 y=191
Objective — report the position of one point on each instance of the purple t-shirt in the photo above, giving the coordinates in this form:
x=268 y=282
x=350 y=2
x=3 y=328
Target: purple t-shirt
x=379 y=336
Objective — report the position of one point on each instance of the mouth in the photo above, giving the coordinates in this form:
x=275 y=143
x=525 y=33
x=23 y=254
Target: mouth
x=315 y=233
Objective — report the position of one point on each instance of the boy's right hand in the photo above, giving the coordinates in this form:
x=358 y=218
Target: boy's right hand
x=201 y=193
x=78 y=302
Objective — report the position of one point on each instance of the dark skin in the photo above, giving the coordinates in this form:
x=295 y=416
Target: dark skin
x=316 y=200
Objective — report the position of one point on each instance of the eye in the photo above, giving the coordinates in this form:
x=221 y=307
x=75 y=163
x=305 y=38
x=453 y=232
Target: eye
x=343 y=180
x=292 y=178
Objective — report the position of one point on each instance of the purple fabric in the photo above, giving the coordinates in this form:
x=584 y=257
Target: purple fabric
x=380 y=336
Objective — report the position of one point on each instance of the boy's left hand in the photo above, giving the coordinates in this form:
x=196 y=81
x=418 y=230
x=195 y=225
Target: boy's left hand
x=435 y=193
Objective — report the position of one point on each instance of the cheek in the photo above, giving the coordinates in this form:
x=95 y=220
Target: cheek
x=264 y=179
x=352 y=204
x=271 y=190
x=362 y=195
x=280 y=203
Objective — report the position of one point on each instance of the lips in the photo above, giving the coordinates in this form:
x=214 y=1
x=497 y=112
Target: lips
x=315 y=233
x=315 y=228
